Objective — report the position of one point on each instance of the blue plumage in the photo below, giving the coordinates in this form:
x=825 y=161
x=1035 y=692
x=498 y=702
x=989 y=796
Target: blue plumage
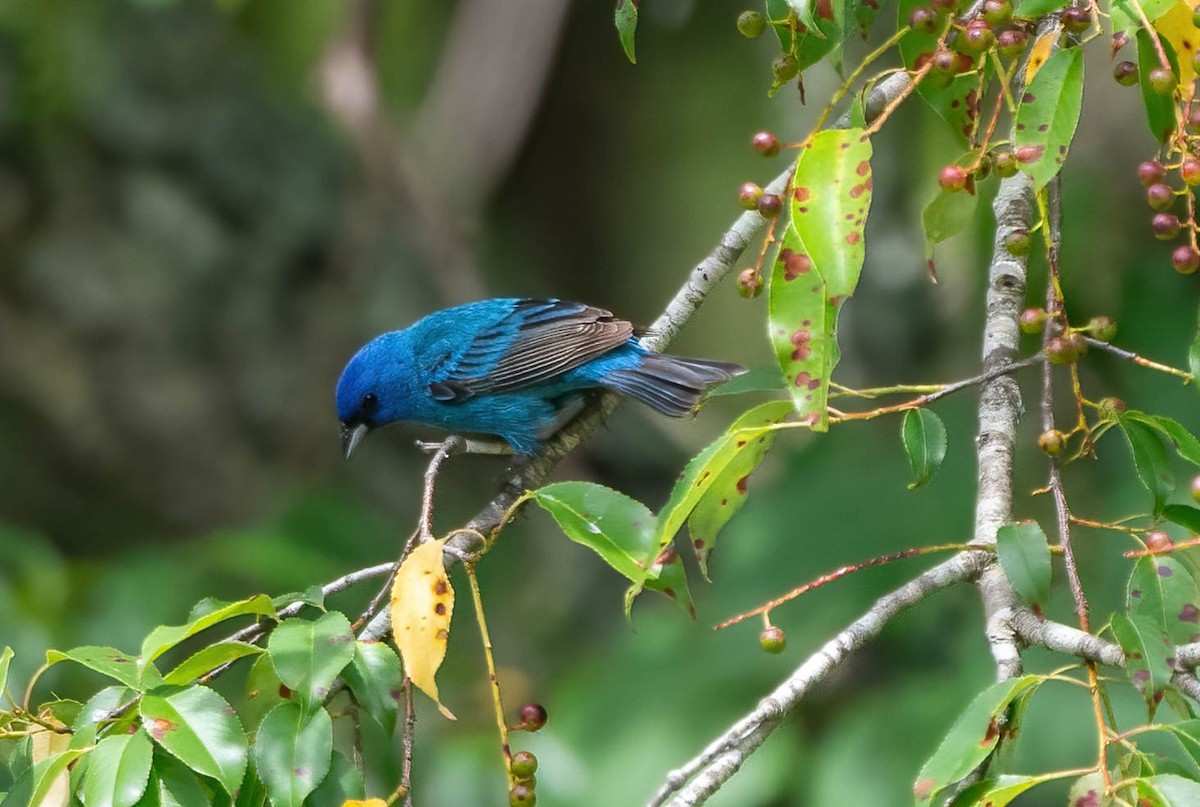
x=510 y=367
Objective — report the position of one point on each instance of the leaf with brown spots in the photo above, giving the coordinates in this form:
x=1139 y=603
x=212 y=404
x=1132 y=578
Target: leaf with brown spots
x=621 y=530
x=972 y=738
x=819 y=262
x=200 y=729
x=1048 y=114
x=1144 y=646
x=309 y=654
x=1179 y=29
x=727 y=492
x=422 y=604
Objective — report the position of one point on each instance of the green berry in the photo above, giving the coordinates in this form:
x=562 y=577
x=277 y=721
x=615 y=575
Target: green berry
x=524 y=765
x=1126 y=73
x=998 y=12
x=1012 y=43
x=1196 y=489
x=1059 y=350
x=1110 y=408
x=751 y=24
x=1052 y=442
x=1032 y=320
x=1005 y=163
x=772 y=639
x=923 y=19
x=522 y=795
x=1162 y=81
x=1102 y=328
x=785 y=67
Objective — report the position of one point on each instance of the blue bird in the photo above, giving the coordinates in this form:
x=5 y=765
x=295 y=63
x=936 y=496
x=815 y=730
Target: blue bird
x=513 y=368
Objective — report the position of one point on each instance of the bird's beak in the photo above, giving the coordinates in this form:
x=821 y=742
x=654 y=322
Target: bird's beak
x=351 y=437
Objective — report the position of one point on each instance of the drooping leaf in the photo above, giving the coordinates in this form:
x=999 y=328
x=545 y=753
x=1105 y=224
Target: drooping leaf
x=208 y=659
x=205 y=616
x=1024 y=554
x=309 y=655
x=108 y=661
x=1150 y=460
x=292 y=752
x=626 y=19
x=422 y=604
x=200 y=729
x=620 y=530
x=1048 y=114
x=819 y=262
x=118 y=770
x=1184 y=442
x=924 y=437
x=947 y=215
x=374 y=678
x=1160 y=109
x=972 y=738
x=46 y=784
x=1145 y=659
x=719 y=497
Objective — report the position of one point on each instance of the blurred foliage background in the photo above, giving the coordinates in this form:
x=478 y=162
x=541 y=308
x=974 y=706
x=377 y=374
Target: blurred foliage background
x=206 y=206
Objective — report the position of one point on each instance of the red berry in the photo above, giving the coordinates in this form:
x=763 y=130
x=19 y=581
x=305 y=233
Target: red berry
x=998 y=12
x=772 y=639
x=1158 y=542
x=1160 y=196
x=1012 y=43
x=976 y=39
x=1032 y=320
x=765 y=144
x=1162 y=81
x=532 y=717
x=770 y=205
x=749 y=283
x=1059 y=350
x=748 y=195
x=1190 y=171
x=1052 y=442
x=1076 y=20
x=923 y=19
x=1186 y=260
x=1151 y=172
x=953 y=178
x=523 y=765
x=945 y=62
x=1126 y=73
x=1165 y=226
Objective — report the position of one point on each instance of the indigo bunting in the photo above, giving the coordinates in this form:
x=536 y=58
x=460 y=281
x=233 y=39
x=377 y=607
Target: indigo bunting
x=512 y=368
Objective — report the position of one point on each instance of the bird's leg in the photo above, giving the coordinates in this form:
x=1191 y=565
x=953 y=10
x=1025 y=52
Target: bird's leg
x=443 y=450
x=494 y=448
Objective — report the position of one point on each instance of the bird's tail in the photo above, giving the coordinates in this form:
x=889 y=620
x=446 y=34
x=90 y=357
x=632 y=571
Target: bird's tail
x=670 y=384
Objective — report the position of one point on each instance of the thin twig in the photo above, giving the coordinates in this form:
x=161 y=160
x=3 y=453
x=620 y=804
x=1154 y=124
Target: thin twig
x=448 y=447
x=408 y=743
x=1141 y=361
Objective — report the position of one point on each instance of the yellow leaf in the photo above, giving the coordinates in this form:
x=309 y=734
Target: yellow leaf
x=43 y=745
x=422 y=604
x=1040 y=53
x=364 y=803
x=1176 y=27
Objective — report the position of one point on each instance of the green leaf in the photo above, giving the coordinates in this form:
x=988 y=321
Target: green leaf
x=344 y=781
x=1187 y=734
x=102 y=704
x=292 y=752
x=1032 y=9
x=972 y=738
x=1169 y=790
x=172 y=784
x=1025 y=557
x=956 y=102
x=1088 y=790
x=618 y=529
x=200 y=729
x=47 y=781
x=1000 y=790
x=1169 y=598
x=1145 y=660
x=1160 y=109
x=1125 y=17
x=309 y=655
x=1150 y=460
x=206 y=615
x=721 y=495
x=1184 y=442
x=1183 y=515
x=118 y=770
x=262 y=692
x=946 y=216
x=1194 y=356
x=924 y=437
x=374 y=678
x=1048 y=114
x=819 y=262
x=208 y=659
x=6 y=658
x=626 y=18
x=108 y=661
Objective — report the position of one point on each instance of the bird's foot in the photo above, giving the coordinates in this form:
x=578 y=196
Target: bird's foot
x=495 y=448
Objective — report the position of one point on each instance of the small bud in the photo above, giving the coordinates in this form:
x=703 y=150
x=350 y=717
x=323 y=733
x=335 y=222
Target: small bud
x=1032 y=320
x=751 y=24
x=772 y=639
x=748 y=195
x=1110 y=408
x=522 y=795
x=532 y=717
x=1059 y=350
x=765 y=144
x=524 y=765
x=750 y=283
x=1005 y=163
x=1052 y=442
x=1102 y=329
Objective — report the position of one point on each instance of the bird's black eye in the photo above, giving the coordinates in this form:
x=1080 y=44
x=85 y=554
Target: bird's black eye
x=370 y=403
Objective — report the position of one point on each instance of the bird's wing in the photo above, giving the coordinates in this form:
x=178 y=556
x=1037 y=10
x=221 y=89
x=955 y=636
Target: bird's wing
x=536 y=341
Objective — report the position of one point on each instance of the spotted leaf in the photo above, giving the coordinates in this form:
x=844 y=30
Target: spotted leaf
x=292 y=752
x=422 y=604
x=200 y=729
x=309 y=655
x=1048 y=114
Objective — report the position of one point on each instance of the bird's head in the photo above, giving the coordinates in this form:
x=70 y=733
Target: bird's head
x=373 y=388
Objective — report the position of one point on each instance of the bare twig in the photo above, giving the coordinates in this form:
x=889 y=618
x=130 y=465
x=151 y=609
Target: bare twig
x=408 y=743
x=448 y=447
